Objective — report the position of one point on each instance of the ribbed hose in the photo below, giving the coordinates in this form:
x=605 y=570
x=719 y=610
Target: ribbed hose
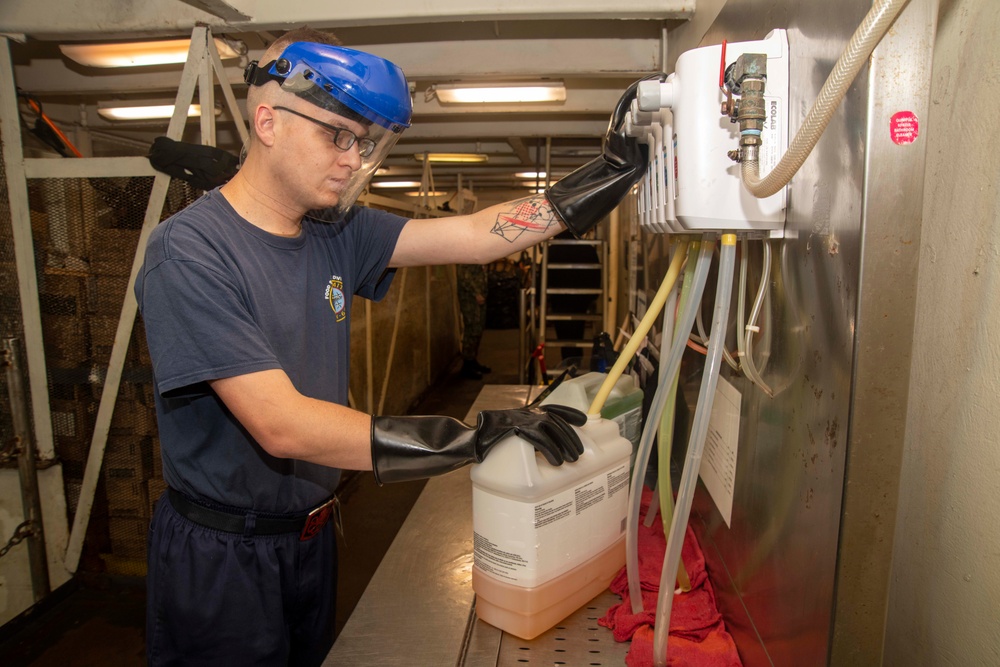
x=864 y=41
x=696 y=445
x=667 y=370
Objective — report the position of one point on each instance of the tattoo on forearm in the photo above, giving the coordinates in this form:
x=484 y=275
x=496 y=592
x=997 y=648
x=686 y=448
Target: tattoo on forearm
x=531 y=215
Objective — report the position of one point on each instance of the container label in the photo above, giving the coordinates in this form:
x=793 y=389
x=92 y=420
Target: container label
x=630 y=426
x=770 y=135
x=718 y=465
x=617 y=481
x=529 y=543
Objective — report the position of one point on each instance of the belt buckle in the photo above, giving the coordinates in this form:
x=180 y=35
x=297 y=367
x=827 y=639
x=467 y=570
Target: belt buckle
x=318 y=518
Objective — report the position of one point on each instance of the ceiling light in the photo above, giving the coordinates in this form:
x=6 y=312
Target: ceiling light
x=421 y=194
x=148 y=112
x=453 y=93
x=530 y=174
x=396 y=184
x=138 y=54
x=452 y=157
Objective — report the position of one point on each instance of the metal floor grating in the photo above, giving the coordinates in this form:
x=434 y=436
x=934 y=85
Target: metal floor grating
x=578 y=641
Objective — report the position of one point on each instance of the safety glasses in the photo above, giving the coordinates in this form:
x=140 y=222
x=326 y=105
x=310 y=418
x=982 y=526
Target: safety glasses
x=343 y=138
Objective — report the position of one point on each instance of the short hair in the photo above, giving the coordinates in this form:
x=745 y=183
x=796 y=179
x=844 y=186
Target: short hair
x=258 y=94
x=303 y=34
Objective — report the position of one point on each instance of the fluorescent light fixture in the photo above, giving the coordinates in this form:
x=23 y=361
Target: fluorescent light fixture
x=148 y=112
x=487 y=93
x=421 y=194
x=138 y=54
x=530 y=174
x=452 y=157
x=396 y=184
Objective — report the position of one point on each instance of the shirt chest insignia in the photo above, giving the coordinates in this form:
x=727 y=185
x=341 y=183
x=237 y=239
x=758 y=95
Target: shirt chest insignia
x=335 y=297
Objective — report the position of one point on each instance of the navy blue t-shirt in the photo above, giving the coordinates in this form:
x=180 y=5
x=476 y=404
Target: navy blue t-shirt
x=220 y=298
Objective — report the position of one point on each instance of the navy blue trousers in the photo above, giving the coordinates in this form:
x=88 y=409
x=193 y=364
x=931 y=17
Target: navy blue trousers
x=217 y=598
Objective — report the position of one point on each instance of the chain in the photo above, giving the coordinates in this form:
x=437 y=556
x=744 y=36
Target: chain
x=21 y=533
x=9 y=451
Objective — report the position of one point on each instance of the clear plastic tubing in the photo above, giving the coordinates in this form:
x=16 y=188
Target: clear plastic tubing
x=640 y=331
x=667 y=371
x=664 y=495
x=751 y=369
x=696 y=445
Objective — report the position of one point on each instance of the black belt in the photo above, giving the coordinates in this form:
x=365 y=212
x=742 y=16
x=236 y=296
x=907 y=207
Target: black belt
x=250 y=523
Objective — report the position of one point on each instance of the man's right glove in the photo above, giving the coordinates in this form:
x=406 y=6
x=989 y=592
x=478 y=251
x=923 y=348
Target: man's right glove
x=408 y=448
x=584 y=197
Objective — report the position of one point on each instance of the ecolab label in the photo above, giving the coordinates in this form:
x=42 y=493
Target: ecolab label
x=770 y=135
x=529 y=543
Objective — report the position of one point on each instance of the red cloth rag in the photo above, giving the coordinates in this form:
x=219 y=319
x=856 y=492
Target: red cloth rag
x=698 y=635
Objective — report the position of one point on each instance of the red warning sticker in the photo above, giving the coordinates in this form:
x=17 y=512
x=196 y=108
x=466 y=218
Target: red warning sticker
x=904 y=127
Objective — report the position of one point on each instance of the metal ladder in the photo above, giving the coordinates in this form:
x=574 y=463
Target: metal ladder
x=596 y=318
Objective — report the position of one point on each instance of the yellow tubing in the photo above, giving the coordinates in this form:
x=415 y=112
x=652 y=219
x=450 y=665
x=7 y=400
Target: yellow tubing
x=640 y=331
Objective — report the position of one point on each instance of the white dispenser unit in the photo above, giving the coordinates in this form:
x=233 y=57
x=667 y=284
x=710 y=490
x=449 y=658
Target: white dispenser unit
x=708 y=193
x=656 y=190
x=548 y=538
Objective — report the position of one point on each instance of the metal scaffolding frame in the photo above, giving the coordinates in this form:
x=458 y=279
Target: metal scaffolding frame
x=202 y=66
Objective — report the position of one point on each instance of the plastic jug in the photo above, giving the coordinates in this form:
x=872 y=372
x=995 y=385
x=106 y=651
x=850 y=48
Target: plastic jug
x=623 y=405
x=548 y=538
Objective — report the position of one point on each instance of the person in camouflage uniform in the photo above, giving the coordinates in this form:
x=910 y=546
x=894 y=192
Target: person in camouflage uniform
x=472 y=290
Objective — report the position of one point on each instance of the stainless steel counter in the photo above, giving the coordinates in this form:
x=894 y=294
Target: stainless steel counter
x=419 y=608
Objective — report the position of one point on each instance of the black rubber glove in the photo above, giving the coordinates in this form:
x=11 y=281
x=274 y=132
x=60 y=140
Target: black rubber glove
x=583 y=198
x=408 y=448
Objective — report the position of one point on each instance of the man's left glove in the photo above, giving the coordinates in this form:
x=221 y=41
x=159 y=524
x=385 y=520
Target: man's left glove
x=585 y=196
x=408 y=448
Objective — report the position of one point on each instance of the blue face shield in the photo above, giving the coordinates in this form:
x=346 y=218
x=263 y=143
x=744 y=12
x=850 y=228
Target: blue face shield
x=364 y=89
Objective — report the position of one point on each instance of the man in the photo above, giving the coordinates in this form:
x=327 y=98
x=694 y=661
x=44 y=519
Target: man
x=246 y=298
x=472 y=288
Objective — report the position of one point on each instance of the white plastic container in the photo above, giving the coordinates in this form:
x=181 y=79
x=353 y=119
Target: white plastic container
x=548 y=538
x=623 y=405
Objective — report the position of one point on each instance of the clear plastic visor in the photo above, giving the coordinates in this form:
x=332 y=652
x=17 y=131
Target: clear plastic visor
x=368 y=128
x=359 y=179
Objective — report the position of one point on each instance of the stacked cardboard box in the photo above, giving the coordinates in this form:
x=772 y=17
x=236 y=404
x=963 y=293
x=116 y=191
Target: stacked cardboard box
x=85 y=233
x=127 y=465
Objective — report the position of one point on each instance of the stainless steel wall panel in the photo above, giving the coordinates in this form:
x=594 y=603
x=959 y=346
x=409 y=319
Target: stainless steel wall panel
x=776 y=568
x=899 y=81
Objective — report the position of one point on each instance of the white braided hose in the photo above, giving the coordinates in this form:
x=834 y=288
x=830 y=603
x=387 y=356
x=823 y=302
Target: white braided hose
x=864 y=41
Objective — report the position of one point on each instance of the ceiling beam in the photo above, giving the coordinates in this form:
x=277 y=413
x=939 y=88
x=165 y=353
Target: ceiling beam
x=510 y=126
x=219 y=8
x=520 y=150
x=46 y=18
x=434 y=62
